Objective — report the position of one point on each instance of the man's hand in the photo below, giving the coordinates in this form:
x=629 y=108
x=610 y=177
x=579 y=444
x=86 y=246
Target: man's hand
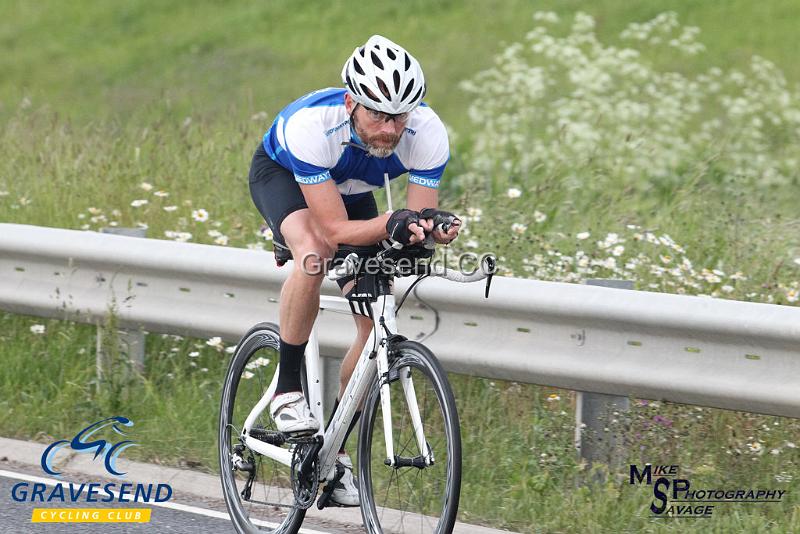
x=431 y=216
x=405 y=227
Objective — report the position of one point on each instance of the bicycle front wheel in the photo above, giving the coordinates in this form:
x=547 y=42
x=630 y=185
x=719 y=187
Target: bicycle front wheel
x=419 y=493
x=258 y=490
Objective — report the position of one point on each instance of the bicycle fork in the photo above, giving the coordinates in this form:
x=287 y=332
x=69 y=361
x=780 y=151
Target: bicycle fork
x=386 y=377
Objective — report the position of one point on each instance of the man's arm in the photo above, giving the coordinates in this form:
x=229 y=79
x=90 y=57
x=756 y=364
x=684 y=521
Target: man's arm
x=421 y=197
x=326 y=205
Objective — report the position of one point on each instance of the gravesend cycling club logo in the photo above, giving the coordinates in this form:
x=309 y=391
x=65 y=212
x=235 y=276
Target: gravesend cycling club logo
x=675 y=497
x=100 y=447
x=93 y=439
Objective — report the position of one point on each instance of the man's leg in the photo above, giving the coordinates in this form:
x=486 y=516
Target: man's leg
x=299 y=305
x=363 y=329
x=345 y=492
x=299 y=302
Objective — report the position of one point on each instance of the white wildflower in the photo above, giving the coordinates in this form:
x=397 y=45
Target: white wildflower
x=755 y=447
x=513 y=192
x=146 y=186
x=582 y=235
x=37 y=329
x=258 y=362
x=518 y=228
x=215 y=342
x=221 y=240
x=546 y=16
x=138 y=203
x=178 y=236
x=170 y=208
x=539 y=217
x=161 y=194
x=618 y=250
x=200 y=215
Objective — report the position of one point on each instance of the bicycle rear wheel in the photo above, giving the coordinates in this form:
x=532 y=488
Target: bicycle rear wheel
x=421 y=498
x=270 y=505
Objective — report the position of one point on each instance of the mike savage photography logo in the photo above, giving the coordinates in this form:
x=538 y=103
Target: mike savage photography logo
x=57 y=492
x=675 y=497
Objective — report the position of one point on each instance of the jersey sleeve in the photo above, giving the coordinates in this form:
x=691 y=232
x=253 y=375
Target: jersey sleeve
x=430 y=153
x=308 y=150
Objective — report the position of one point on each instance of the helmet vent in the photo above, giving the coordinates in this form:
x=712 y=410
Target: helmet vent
x=369 y=93
x=384 y=89
x=350 y=84
x=396 y=77
x=391 y=54
x=409 y=87
x=408 y=62
x=376 y=60
x=417 y=95
x=357 y=67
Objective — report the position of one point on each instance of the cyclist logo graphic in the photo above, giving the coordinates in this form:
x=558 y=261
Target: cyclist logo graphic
x=82 y=444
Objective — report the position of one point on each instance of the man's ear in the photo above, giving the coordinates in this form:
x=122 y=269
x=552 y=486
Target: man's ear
x=349 y=104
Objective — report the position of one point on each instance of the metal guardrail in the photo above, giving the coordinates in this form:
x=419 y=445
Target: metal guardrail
x=694 y=350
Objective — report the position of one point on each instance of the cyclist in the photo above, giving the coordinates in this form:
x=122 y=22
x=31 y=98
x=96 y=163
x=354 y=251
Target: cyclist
x=312 y=178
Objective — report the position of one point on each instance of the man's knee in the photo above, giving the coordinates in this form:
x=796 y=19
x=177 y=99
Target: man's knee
x=312 y=254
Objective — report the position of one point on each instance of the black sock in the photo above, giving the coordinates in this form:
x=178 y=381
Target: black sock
x=291 y=359
x=353 y=423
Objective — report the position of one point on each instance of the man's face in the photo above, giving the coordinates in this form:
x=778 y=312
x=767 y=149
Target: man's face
x=379 y=135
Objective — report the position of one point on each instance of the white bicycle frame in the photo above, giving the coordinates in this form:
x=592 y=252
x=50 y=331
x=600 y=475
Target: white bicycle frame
x=364 y=376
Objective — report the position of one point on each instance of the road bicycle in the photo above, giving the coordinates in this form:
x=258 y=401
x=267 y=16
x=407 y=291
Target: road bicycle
x=409 y=442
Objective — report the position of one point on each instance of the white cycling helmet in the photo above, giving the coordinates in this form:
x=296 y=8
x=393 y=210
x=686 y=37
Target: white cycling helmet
x=383 y=76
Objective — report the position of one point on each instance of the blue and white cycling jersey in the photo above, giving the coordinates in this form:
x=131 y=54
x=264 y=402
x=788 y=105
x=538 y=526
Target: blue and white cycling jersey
x=307 y=138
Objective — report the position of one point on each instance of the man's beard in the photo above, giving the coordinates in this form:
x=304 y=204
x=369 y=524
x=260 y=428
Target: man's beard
x=388 y=142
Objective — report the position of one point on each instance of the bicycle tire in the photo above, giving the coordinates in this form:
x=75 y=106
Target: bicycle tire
x=245 y=382
x=433 y=505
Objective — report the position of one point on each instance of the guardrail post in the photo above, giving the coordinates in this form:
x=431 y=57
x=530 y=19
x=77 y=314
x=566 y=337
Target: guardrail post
x=131 y=342
x=597 y=414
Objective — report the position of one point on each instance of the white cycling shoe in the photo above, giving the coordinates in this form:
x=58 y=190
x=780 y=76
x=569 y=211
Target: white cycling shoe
x=292 y=415
x=345 y=493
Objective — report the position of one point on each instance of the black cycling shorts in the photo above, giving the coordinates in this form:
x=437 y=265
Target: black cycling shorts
x=276 y=194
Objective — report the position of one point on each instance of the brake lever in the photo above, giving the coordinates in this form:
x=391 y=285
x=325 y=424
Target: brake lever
x=490 y=264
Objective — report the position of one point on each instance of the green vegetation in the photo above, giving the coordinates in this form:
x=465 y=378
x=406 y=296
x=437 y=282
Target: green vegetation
x=104 y=106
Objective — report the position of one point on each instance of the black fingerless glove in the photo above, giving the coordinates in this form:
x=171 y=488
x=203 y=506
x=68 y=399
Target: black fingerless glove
x=397 y=225
x=440 y=217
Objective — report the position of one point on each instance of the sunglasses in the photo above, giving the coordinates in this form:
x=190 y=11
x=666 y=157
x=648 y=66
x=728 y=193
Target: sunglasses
x=380 y=116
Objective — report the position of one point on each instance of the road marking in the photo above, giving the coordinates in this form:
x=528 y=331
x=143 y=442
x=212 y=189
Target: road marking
x=170 y=505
